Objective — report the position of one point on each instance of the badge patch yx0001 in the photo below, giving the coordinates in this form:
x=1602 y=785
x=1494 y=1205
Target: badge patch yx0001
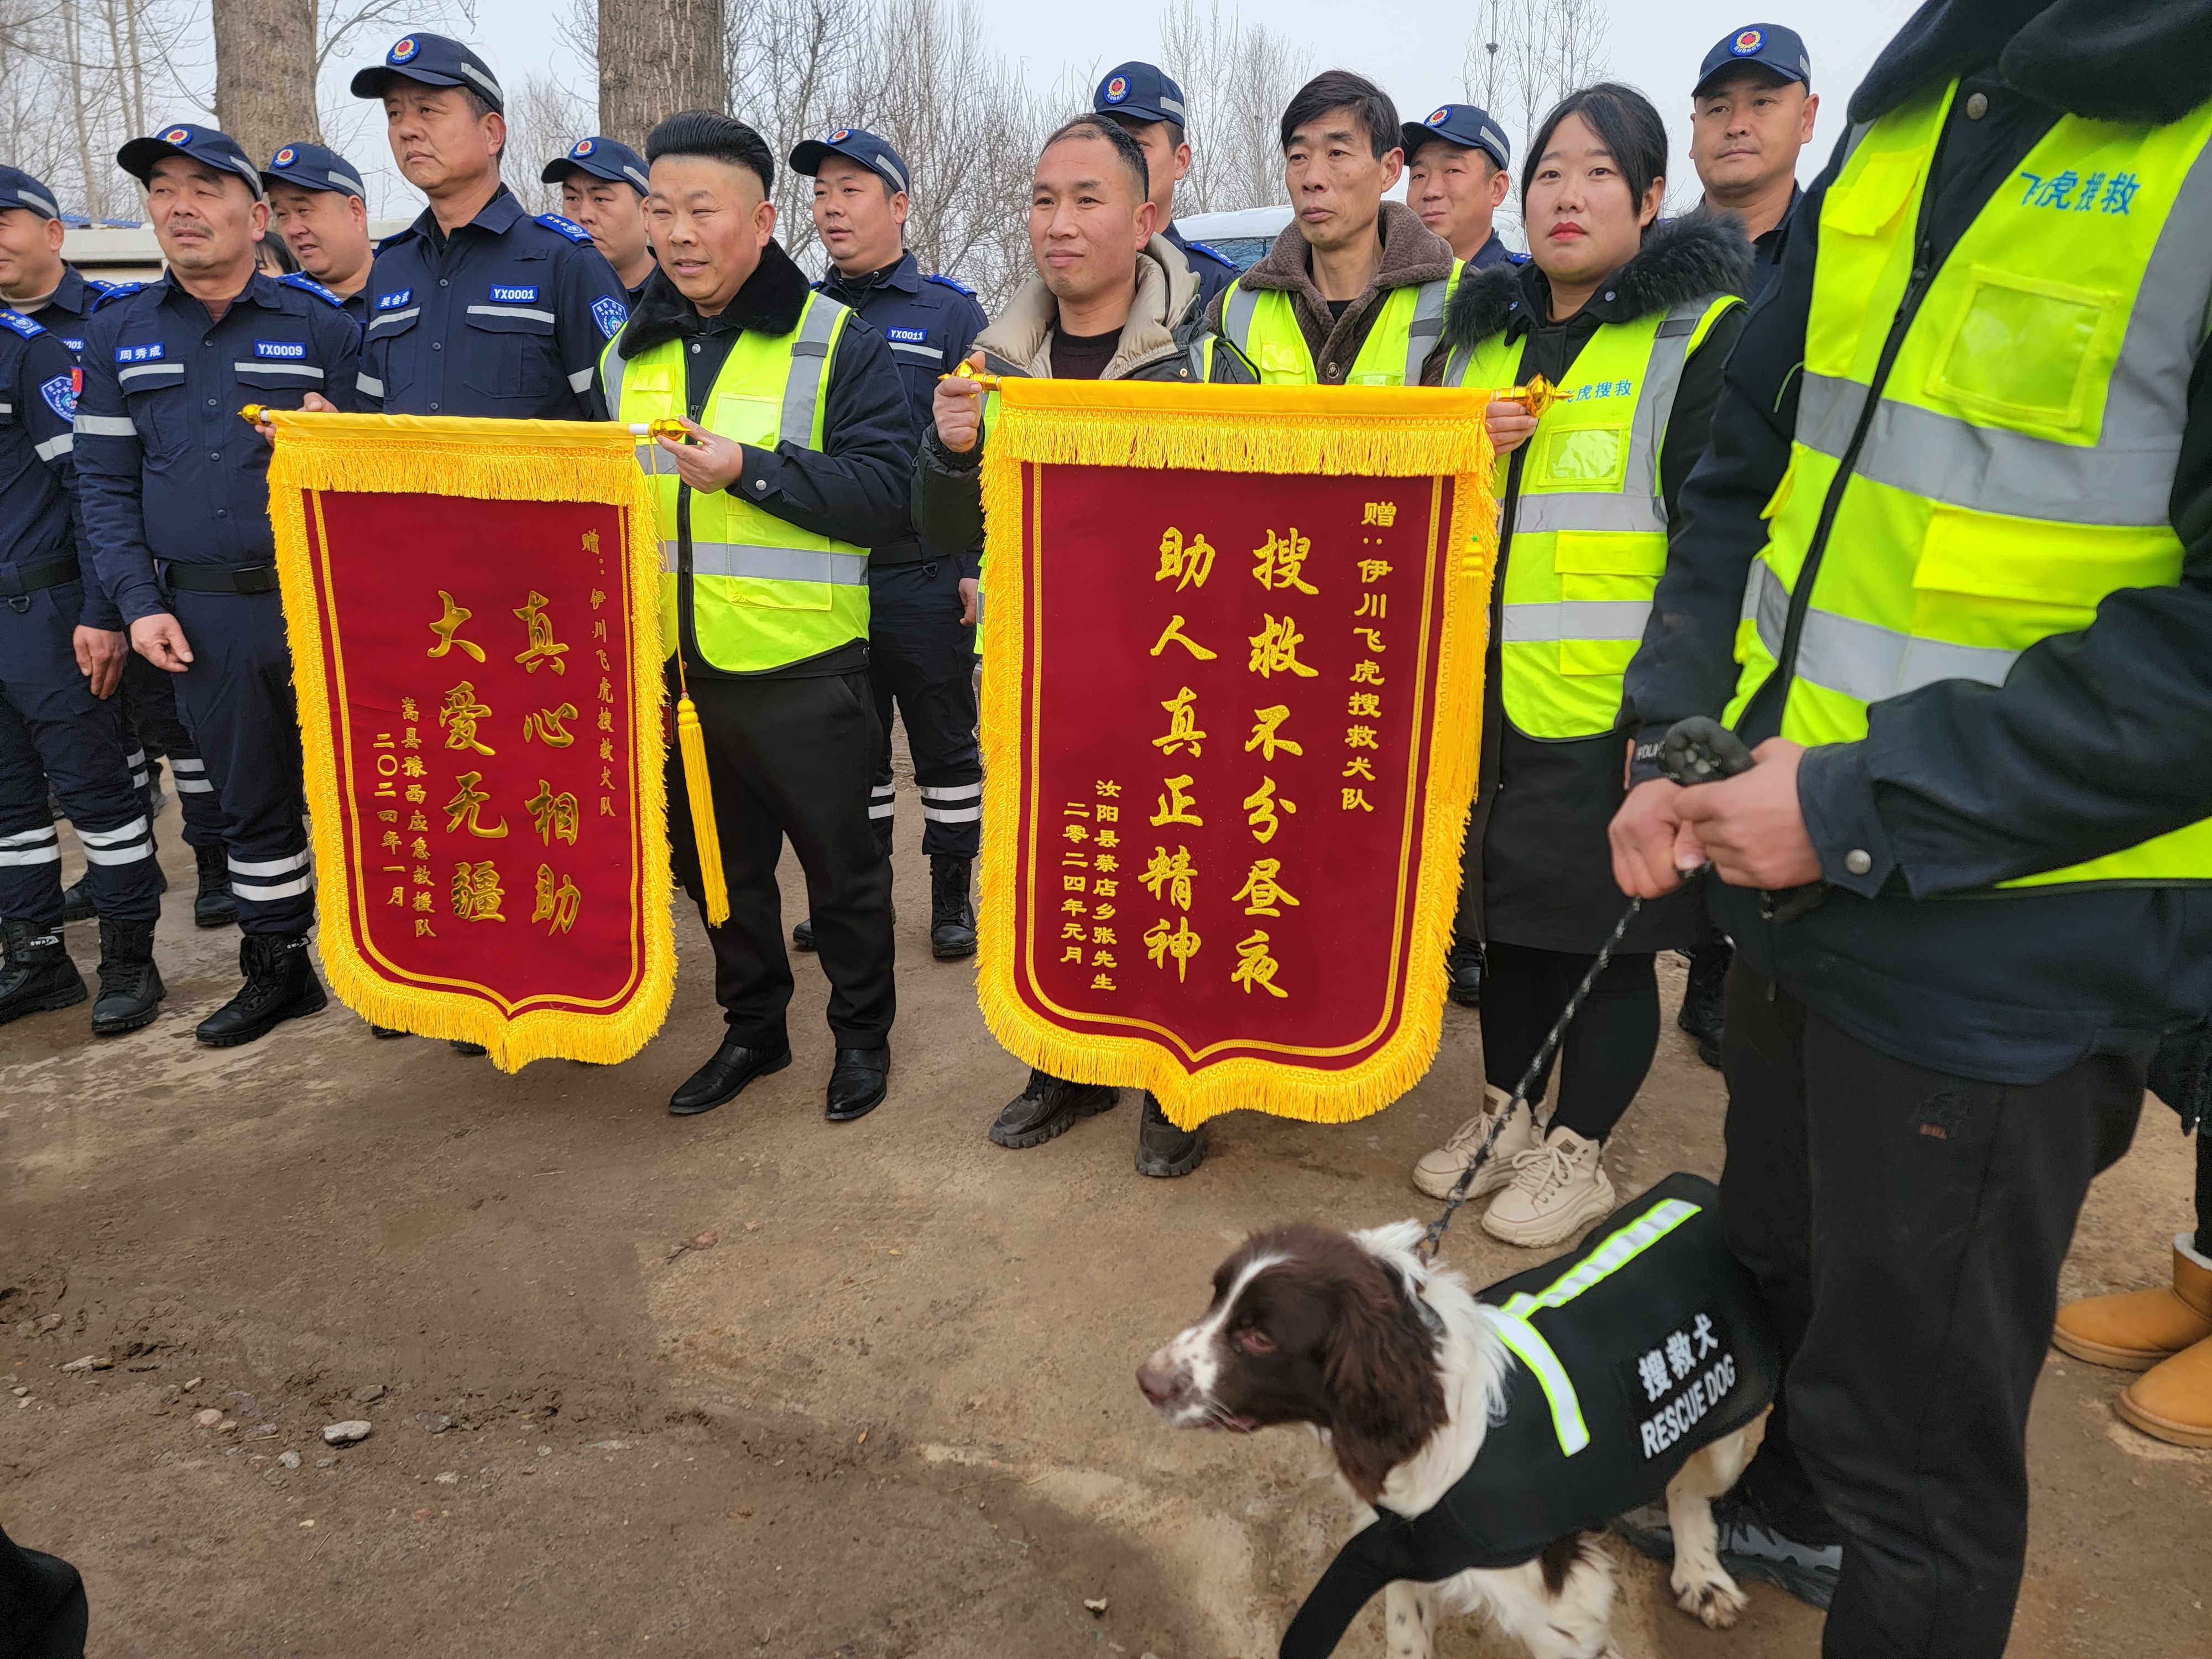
x=473 y=606
x=1233 y=649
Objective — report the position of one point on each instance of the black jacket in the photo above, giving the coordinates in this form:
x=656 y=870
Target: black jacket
x=1544 y=873
x=2097 y=740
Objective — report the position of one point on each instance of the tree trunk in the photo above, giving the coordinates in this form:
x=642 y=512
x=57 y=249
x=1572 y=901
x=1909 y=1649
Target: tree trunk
x=264 y=74
x=657 y=57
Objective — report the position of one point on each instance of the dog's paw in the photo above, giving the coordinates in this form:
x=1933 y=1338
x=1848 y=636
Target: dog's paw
x=1714 y=1601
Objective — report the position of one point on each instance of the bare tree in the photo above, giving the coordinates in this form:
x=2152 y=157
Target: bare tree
x=264 y=73
x=1236 y=79
x=544 y=118
x=1524 y=56
x=78 y=76
x=655 y=57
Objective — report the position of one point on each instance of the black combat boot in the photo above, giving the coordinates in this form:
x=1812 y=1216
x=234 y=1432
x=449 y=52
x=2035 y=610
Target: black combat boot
x=130 y=988
x=215 y=907
x=280 y=984
x=1702 y=998
x=39 y=974
x=1463 y=973
x=951 y=917
x=1163 y=1150
x=76 y=900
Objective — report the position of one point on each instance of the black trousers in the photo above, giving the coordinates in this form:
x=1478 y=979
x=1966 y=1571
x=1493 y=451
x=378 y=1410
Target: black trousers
x=792 y=759
x=920 y=654
x=149 y=705
x=43 y=1613
x=1906 y=1227
x=1607 y=1053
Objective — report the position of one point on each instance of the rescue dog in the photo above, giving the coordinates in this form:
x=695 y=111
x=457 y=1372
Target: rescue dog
x=1399 y=1371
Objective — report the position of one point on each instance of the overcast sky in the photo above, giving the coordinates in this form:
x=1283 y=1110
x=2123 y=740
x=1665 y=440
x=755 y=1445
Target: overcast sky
x=1655 y=44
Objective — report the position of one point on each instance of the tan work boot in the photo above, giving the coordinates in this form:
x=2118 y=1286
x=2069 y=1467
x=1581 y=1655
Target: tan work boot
x=1558 y=1189
x=2135 y=1330
x=2173 y=1401
x=1439 y=1171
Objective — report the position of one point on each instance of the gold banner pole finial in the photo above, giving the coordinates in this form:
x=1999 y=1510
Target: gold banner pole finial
x=1538 y=395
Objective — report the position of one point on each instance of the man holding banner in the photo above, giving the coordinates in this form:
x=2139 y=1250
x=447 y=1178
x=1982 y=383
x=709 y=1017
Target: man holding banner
x=800 y=439
x=1111 y=301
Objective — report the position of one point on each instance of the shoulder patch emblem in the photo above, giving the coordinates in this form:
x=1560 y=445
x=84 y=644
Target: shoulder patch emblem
x=1213 y=253
x=110 y=291
x=954 y=283
x=306 y=284
x=610 y=314
x=22 y=324
x=60 y=394
x=568 y=228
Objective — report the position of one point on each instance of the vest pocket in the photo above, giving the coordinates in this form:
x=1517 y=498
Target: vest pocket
x=2023 y=349
x=1583 y=456
x=1616 y=571
x=1867 y=205
x=1982 y=579
x=750 y=420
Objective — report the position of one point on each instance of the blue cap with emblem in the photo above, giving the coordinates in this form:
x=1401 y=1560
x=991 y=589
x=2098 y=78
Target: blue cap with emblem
x=434 y=61
x=602 y=158
x=1767 y=45
x=217 y=150
x=853 y=145
x=1143 y=92
x=1462 y=124
x=312 y=168
x=18 y=189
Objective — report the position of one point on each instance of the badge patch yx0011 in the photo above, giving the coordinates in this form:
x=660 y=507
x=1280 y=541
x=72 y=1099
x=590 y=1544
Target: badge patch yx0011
x=473 y=606
x=1233 y=647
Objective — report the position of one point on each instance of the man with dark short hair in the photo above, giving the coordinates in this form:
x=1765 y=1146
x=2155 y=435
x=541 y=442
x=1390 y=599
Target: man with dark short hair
x=1354 y=289
x=319 y=206
x=603 y=186
x=922 y=597
x=1141 y=99
x=1456 y=179
x=800 y=444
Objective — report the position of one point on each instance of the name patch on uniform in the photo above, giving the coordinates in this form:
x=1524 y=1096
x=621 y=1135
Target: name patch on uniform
x=508 y=295
x=60 y=394
x=916 y=336
x=610 y=314
x=1678 y=1383
x=74 y=345
x=387 y=302
x=139 y=354
x=289 y=349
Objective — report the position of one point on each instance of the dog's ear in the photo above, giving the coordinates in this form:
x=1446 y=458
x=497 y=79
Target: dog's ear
x=1386 y=1395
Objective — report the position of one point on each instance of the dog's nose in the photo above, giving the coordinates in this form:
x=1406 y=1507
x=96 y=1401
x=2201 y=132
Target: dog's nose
x=1156 y=1379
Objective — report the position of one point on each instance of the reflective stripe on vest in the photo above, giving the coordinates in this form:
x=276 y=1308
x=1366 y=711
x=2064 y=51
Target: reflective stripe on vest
x=1589 y=522
x=2019 y=454
x=1263 y=325
x=763 y=592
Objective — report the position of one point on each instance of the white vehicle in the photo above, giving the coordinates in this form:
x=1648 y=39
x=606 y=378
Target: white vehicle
x=1242 y=237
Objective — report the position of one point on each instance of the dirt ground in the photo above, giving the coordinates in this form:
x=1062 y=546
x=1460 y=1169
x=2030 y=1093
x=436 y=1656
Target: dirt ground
x=889 y=1411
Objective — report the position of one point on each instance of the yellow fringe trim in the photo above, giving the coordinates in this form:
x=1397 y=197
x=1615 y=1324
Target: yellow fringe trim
x=1371 y=432
x=483 y=460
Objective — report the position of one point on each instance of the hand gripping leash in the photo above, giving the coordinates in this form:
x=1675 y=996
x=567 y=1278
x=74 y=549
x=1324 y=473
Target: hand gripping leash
x=1697 y=750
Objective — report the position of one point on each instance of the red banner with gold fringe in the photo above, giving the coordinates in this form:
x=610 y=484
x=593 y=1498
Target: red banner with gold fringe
x=1233 y=656
x=473 y=613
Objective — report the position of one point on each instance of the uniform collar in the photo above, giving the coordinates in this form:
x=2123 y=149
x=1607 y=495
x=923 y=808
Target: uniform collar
x=72 y=296
x=497 y=216
x=904 y=275
x=262 y=289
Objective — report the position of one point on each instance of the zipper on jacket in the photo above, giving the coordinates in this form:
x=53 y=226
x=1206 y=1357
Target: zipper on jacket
x=1924 y=267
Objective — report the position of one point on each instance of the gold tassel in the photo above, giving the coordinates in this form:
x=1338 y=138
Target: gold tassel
x=691 y=739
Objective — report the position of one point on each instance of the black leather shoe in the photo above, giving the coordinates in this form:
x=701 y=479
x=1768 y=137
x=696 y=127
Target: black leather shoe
x=802 y=936
x=951 y=917
x=281 y=984
x=1163 y=1150
x=1702 y=998
x=858 y=1082
x=1463 y=972
x=130 y=988
x=1048 y=1108
x=385 y=1032
x=214 y=905
x=721 y=1078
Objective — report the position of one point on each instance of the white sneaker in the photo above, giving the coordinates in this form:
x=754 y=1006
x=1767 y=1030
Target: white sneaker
x=1439 y=1171
x=1557 y=1190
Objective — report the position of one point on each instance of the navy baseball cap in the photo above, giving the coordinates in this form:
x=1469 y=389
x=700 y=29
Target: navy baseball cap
x=853 y=145
x=1462 y=124
x=1768 y=45
x=312 y=168
x=18 y=189
x=603 y=158
x=217 y=149
x=434 y=61
x=1142 y=92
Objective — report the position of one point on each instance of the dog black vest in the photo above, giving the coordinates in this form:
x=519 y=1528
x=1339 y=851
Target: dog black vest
x=1646 y=1343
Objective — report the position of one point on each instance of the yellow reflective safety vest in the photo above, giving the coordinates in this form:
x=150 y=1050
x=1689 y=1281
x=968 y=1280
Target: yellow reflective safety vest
x=763 y=592
x=1589 y=522
x=1992 y=476
x=1260 y=324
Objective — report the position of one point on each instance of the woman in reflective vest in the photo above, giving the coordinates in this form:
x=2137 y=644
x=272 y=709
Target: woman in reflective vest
x=1631 y=320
